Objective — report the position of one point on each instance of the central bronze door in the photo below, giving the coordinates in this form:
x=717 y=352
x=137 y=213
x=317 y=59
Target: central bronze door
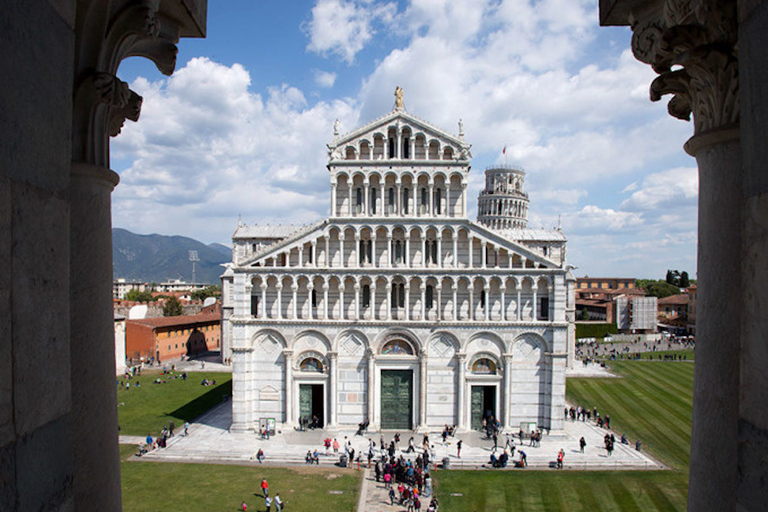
x=396 y=399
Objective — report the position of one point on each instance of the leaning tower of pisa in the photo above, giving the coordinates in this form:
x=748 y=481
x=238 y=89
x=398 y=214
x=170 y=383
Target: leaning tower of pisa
x=503 y=204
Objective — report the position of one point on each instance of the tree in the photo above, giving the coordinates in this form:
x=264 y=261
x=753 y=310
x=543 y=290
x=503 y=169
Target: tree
x=673 y=277
x=209 y=291
x=137 y=296
x=684 y=280
x=172 y=307
x=661 y=289
x=584 y=314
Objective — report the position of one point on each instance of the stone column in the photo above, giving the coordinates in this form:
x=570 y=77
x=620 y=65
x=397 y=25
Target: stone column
x=487 y=307
x=332 y=375
x=242 y=382
x=390 y=254
x=374 y=261
x=424 y=254
x=301 y=256
x=334 y=213
x=471 y=290
x=422 y=392
x=288 y=356
x=310 y=306
x=342 y=285
x=455 y=289
x=464 y=200
x=506 y=392
x=406 y=251
x=439 y=290
x=398 y=198
x=92 y=347
x=471 y=244
x=535 y=303
x=287 y=258
x=423 y=289
x=415 y=203
x=328 y=261
x=295 y=300
x=519 y=304
x=693 y=48
x=503 y=301
x=279 y=288
x=431 y=206
x=325 y=301
x=371 y=387
x=372 y=305
x=389 y=301
x=455 y=250
x=357 y=301
x=484 y=256
x=439 y=250
x=263 y=312
x=407 y=299
x=341 y=251
x=350 y=187
x=461 y=391
x=314 y=253
x=358 y=254
x=366 y=197
x=447 y=199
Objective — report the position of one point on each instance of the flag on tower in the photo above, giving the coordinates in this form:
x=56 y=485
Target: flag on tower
x=504 y=151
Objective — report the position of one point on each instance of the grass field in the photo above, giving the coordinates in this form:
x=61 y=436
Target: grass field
x=166 y=487
x=653 y=402
x=148 y=408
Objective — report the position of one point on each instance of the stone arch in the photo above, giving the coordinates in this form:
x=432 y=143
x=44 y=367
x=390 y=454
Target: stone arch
x=398 y=333
x=443 y=345
x=528 y=347
x=311 y=339
x=351 y=342
x=497 y=366
x=485 y=341
x=268 y=340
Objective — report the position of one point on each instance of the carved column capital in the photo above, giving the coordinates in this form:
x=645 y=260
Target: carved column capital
x=692 y=45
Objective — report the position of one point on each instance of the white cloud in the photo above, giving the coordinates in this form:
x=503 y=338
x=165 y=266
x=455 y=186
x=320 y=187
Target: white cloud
x=344 y=27
x=593 y=217
x=207 y=147
x=324 y=78
x=665 y=190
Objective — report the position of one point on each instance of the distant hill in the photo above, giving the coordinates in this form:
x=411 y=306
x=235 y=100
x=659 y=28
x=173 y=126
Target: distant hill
x=159 y=258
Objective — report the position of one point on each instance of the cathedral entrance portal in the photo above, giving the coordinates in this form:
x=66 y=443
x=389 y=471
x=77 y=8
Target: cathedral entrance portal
x=311 y=403
x=397 y=399
x=483 y=405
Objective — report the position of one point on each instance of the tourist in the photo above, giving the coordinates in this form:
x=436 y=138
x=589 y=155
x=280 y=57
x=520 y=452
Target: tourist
x=308 y=457
x=278 y=503
x=171 y=427
x=458 y=449
x=523 y=459
x=260 y=456
x=412 y=448
x=264 y=487
x=391 y=497
x=244 y=506
x=560 y=457
x=335 y=446
x=186 y=428
x=582 y=444
x=268 y=503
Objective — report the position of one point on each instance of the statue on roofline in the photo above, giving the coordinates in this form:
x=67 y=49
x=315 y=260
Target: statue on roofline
x=398 y=98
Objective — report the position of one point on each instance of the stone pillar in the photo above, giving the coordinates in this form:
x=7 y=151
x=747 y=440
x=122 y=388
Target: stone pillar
x=431 y=206
x=439 y=291
x=484 y=256
x=471 y=244
x=455 y=288
x=464 y=200
x=333 y=199
x=310 y=306
x=263 y=312
x=366 y=197
x=471 y=290
x=519 y=304
x=279 y=288
x=313 y=254
x=406 y=251
x=487 y=307
x=389 y=301
x=295 y=300
x=342 y=285
x=407 y=299
x=342 y=263
x=506 y=392
x=289 y=406
x=357 y=301
x=461 y=404
x=372 y=306
x=535 y=303
x=325 y=301
x=439 y=250
x=92 y=343
x=374 y=261
x=328 y=261
x=455 y=250
x=423 y=290
x=422 y=392
x=700 y=41
x=390 y=254
x=447 y=199
x=350 y=187
x=503 y=302
x=371 y=386
x=358 y=254
x=398 y=198
x=333 y=358
x=424 y=254
x=287 y=258
x=301 y=256
x=242 y=382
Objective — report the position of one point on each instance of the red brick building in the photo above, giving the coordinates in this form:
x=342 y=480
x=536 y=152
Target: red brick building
x=171 y=337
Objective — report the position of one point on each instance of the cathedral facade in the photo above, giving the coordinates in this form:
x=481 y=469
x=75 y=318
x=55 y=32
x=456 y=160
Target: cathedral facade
x=398 y=309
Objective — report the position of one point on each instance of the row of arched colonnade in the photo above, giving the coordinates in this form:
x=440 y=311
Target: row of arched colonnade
x=512 y=370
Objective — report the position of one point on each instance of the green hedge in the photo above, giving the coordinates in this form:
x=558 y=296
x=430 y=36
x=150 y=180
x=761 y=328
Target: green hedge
x=591 y=330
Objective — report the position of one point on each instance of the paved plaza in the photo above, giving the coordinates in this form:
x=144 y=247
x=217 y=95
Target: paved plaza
x=209 y=440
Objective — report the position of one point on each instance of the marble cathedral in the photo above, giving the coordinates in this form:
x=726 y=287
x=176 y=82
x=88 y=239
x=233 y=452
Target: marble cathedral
x=398 y=309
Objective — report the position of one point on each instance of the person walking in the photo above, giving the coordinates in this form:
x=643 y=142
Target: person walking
x=264 y=487
x=268 y=504
x=495 y=441
x=278 y=503
x=560 y=457
x=186 y=428
x=582 y=444
x=458 y=449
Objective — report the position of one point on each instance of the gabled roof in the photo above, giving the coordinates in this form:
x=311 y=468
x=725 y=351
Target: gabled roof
x=533 y=235
x=265 y=231
x=387 y=120
x=295 y=236
x=180 y=321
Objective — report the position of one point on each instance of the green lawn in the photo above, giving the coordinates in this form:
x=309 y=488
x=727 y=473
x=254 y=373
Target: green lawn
x=653 y=402
x=148 y=408
x=167 y=487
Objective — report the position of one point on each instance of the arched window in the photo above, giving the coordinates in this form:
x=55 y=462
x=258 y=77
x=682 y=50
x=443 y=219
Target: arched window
x=405 y=201
x=391 y=147
x=484 y=366
x=359 y=199
x=366 y=296
x=311 y=364
x=424 y=200
x=397 y=348
x=391 y=201
x=373 y=201
x=438 y=201
x=430 y=297
x=406 y=147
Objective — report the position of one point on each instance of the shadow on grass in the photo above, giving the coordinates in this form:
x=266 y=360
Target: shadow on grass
x=203 y=403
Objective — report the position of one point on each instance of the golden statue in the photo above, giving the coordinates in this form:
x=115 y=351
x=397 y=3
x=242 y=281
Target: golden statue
x=398 y=98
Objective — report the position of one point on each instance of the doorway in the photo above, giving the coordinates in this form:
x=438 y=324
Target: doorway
x=311 y=404
x=483 y=405
x=397 y=399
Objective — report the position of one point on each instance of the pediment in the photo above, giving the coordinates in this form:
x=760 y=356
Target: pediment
x=539 y=261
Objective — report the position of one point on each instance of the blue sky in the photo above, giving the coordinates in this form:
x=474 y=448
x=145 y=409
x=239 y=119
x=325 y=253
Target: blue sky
x=240 y=129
